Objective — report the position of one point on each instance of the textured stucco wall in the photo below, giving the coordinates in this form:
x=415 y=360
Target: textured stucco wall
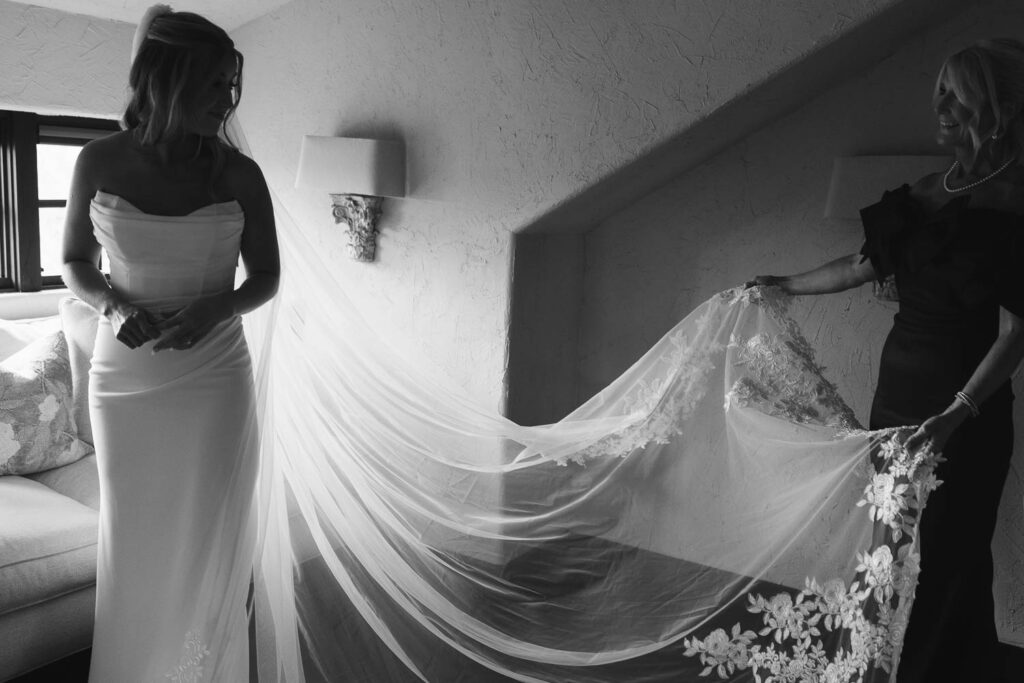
x=757 y=208
x=58 y=63
x=229 y=14
x=506 y=108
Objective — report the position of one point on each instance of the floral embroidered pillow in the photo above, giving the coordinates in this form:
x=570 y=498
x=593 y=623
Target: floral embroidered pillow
x=37 y=431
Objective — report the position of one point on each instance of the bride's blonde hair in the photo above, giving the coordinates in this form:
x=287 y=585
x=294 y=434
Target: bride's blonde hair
x=989 y=76
x=177 y=56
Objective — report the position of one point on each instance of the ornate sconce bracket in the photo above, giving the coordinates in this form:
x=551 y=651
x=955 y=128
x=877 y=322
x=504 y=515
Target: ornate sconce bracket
x=360 y=212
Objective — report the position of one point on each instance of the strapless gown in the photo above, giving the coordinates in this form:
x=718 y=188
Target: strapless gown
x=175 y=438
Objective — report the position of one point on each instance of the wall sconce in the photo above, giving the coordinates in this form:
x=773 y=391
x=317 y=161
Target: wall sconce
x=858 y=182
x=358 y=173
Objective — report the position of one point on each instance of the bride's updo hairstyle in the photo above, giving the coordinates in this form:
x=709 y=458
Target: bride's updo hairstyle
x=988 y=77
x=176 y=55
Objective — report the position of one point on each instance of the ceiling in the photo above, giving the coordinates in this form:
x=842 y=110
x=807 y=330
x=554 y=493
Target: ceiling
x=229 y=14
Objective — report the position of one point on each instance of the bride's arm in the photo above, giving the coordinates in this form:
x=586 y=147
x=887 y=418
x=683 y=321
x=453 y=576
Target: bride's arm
x=133 y=326
x=81 y=251
x=259 y=250
x=260 y=257
x=835 y=276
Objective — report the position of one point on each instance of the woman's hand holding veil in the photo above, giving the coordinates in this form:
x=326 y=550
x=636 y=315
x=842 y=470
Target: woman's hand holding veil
x=765 y=281
x=934 y=432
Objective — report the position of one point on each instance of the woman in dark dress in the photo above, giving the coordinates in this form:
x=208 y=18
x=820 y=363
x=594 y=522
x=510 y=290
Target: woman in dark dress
x=954 y=242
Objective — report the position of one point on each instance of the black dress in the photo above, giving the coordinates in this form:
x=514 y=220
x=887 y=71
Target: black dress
x=954 y=268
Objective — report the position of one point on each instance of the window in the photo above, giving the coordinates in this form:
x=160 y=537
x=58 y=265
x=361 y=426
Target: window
x=37 y=156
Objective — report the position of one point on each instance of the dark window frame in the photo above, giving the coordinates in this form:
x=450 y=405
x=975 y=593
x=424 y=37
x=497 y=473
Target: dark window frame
x=20 y=132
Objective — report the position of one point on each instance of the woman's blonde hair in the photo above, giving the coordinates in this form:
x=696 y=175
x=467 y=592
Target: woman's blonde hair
x=178 y=56
x=988 y=77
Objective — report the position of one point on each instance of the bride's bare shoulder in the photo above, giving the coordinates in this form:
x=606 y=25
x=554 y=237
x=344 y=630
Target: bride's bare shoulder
x=112 y=150
x=242 y=174
x=119 y=142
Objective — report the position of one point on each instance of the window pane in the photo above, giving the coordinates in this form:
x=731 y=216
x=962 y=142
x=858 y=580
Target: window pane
x=51 y=239
x=55 y=164
x=51 y=231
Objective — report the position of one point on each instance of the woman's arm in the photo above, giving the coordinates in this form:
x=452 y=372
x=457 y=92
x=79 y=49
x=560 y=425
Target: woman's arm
x=1002 y=359
x=260 y=258
x=260 y=255
x=835 y=276
x=133 y=326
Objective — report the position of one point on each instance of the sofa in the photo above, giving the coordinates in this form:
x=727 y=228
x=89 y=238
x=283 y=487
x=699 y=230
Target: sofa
x=49 y=490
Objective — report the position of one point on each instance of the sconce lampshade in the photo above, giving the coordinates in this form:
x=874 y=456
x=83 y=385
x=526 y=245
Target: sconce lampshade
x=356 y=166
x=860 y=181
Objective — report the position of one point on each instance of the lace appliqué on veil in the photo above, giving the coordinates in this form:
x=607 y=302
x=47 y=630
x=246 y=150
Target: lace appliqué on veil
x=189 y=668
x=782 y=378
x=868 y=618
x=667 y=401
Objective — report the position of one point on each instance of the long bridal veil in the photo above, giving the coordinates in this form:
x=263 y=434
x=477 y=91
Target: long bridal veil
x=716 y=513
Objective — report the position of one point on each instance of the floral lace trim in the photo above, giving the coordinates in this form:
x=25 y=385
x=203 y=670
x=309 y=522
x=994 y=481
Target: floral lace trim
x=189 y=668
x=886 y=290
x=783 y=380
x=867 y=619
x=783 y=377
x=665 y=402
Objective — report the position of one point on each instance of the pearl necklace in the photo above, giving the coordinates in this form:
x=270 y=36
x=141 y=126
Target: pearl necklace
x=990 y=176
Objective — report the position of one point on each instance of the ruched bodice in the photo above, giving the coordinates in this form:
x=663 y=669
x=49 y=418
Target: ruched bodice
x=162 y=262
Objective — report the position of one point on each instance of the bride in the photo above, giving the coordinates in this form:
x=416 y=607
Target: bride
x=171 y=386
x=715 y=513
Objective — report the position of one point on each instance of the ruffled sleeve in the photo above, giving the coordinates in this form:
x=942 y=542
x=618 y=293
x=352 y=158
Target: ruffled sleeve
x=885 y=231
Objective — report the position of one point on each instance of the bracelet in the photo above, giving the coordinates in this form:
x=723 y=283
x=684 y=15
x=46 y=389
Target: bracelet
x=964 y=398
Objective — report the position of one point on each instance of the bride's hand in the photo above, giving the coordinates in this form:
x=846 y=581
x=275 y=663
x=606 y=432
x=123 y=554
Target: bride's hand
x=187 y=327
x=133 y=326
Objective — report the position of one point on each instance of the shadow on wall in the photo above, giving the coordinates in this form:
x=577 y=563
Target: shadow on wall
x=542 y=376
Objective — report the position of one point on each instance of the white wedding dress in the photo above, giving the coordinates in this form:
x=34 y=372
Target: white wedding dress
x=177 y=454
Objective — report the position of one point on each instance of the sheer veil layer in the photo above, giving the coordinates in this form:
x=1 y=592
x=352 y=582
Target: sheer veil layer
x=716 y=511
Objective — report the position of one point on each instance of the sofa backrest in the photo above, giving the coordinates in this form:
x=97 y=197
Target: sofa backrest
x=17 y=334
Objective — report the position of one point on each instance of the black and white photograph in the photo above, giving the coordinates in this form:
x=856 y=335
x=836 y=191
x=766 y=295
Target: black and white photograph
x=511 y=341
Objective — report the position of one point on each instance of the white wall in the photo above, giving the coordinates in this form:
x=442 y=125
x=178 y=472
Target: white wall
x=58 y=63
x=53 y=62
x=506 y=108
x=757 y=209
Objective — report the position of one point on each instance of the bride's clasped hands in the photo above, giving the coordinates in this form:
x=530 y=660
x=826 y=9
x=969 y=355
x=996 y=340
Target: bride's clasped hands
x=134 y=326
x=190 y=325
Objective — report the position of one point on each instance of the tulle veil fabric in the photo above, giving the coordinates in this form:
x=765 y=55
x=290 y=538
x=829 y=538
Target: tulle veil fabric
x=715 y=513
